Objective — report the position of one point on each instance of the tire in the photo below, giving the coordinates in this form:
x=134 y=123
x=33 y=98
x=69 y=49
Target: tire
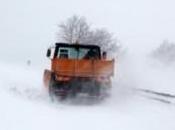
x=51 y=87
x=95 y=89
x=106 y=89
x=54 y=85
x=73 y=89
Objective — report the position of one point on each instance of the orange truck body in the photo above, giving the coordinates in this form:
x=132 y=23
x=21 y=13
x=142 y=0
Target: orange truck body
x=66 y=70
x=80 y=68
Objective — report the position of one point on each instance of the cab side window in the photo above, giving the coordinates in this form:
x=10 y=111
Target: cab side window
x=63 y=53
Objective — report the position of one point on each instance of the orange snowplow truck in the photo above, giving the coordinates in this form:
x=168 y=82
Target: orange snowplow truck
x=77 y=68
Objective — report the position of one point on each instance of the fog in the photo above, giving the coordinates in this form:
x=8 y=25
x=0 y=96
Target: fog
x=31 y=26
x=28 y=28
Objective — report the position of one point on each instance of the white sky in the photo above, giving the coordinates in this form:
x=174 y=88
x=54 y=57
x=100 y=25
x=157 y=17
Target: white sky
x=29 y=26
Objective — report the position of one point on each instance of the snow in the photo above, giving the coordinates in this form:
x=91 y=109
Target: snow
x=25 y=104
x=27 y=28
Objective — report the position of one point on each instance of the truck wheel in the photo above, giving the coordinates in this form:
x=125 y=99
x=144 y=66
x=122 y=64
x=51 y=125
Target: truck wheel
x=106 y=88
x=73 y=89
x=95 y=89
x=51 y=87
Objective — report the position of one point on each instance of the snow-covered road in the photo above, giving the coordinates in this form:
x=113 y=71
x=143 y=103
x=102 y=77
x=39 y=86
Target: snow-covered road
x=25 y=104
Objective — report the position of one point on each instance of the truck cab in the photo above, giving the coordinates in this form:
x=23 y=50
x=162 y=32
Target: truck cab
x=76 y=51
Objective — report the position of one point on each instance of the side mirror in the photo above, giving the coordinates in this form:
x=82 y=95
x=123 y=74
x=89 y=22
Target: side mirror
x=104 y=55
x=48 y=53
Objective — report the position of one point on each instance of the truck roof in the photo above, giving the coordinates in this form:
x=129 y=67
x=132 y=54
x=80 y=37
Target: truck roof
x=77 y=45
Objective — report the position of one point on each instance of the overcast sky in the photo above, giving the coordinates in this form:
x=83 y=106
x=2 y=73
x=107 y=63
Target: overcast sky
x=29 y=26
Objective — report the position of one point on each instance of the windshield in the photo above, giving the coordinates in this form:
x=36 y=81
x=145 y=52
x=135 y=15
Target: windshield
x=78 y=53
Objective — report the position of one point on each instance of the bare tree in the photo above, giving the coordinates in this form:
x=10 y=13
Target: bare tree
x=104 y=39
x=165 y=52
x=76 y=29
